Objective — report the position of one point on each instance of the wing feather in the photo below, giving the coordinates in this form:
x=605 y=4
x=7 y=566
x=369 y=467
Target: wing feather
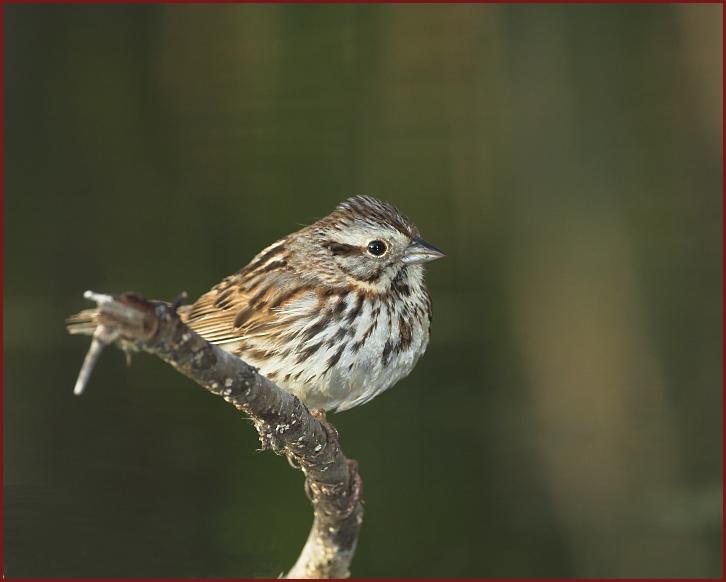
x=249 y=304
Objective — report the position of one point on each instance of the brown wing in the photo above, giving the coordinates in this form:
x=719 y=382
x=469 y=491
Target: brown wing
x=214 y=313
x=242 y=305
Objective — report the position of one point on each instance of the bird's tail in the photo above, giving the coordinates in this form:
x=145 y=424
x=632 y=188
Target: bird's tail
x=83 y=322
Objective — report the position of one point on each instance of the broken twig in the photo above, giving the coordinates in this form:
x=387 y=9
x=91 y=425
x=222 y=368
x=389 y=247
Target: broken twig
x=283 y=423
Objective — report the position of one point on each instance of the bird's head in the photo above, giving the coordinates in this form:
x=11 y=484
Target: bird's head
x=366 y=242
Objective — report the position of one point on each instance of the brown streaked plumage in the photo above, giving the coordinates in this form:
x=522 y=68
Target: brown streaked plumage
x=335 y=313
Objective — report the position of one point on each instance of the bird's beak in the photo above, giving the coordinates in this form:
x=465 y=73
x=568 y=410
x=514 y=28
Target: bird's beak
x=419 y=251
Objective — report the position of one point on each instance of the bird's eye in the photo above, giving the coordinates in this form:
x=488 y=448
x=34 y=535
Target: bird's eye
x=376 y=248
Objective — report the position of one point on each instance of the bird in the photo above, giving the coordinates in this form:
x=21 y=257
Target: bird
x=335 y=313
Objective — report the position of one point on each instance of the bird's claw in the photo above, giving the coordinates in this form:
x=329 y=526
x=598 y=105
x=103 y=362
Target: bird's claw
x=319 y=415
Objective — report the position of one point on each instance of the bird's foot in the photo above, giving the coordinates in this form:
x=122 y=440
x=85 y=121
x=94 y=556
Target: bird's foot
x=319 y=415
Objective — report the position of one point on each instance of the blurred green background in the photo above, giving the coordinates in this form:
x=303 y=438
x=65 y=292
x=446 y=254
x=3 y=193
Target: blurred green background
x=566 y=420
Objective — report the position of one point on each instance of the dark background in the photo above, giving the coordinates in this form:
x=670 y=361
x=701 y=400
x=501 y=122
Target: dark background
x=566 y=420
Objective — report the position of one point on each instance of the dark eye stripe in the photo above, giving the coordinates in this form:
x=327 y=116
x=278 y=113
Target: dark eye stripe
x=338 y=248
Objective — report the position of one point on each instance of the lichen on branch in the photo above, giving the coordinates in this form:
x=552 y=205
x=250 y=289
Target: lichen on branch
x=283 y=423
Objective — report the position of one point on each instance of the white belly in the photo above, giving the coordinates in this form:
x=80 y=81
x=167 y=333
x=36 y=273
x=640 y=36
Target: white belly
x=385 y=354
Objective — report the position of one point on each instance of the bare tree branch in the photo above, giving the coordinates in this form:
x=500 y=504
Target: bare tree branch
x=284 y=424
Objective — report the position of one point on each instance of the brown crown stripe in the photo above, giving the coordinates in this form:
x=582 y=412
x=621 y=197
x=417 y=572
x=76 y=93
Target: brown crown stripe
x=377 y=212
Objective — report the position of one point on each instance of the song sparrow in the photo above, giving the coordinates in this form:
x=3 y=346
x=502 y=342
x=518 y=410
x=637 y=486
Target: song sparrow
x=334 y=313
